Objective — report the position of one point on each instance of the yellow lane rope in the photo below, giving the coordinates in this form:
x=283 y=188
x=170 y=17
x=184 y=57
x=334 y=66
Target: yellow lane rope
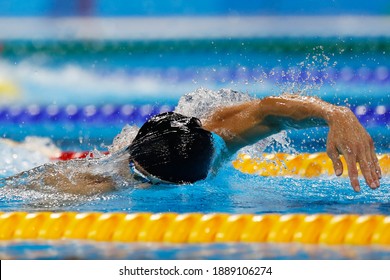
x=304 y=165
x=197 y=228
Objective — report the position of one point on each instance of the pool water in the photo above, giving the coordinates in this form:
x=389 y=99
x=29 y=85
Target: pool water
x=74 y=250
x=154 y=75
x=230 y=191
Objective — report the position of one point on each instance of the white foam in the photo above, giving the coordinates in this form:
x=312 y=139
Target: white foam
x=201 y=102
x=124 y=138
x=20 y=156
x=64 y=183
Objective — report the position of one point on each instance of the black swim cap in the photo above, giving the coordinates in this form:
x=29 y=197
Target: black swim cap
x=173 y=148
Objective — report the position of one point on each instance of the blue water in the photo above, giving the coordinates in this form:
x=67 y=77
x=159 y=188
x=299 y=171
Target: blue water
x=230 y=191
x=73 y=250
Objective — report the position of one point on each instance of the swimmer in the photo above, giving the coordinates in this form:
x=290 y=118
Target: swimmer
x=171 y=148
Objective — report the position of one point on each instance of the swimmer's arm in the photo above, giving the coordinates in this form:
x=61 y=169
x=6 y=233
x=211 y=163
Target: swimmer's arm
x=76 y=182
x=247 y=123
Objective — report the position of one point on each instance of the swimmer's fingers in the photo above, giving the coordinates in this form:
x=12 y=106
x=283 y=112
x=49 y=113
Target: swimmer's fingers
x=333 y=154
x=366 y=166
x=352 y=171
x=366 y=157
x=374 y=159
x=373 y=165
x=377 y=167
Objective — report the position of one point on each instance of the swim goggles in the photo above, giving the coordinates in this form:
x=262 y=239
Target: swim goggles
x=145 y=177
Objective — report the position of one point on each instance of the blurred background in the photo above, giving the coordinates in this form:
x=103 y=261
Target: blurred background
x=78 y=70
x=113 y=8
x=73 y=73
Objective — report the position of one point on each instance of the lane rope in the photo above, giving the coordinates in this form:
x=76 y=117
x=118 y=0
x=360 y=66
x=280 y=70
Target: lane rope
x=197 y=228
x=304 y=165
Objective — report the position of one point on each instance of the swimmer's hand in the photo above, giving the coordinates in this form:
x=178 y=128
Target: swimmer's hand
x=348 y=137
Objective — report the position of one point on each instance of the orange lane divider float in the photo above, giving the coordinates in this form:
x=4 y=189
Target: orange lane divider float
x=197 y=228
x=278 y=164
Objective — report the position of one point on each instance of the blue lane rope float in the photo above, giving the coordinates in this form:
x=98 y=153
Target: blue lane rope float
x=89 y=113
x=373 y=115
x=379 y=75
x=304 y=75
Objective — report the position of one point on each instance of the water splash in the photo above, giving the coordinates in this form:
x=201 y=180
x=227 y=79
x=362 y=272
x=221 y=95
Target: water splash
x=19 y=156
x=64 y=183
x=308 y=76
x=124 y=138
x=279 y=141
x=202 y=102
